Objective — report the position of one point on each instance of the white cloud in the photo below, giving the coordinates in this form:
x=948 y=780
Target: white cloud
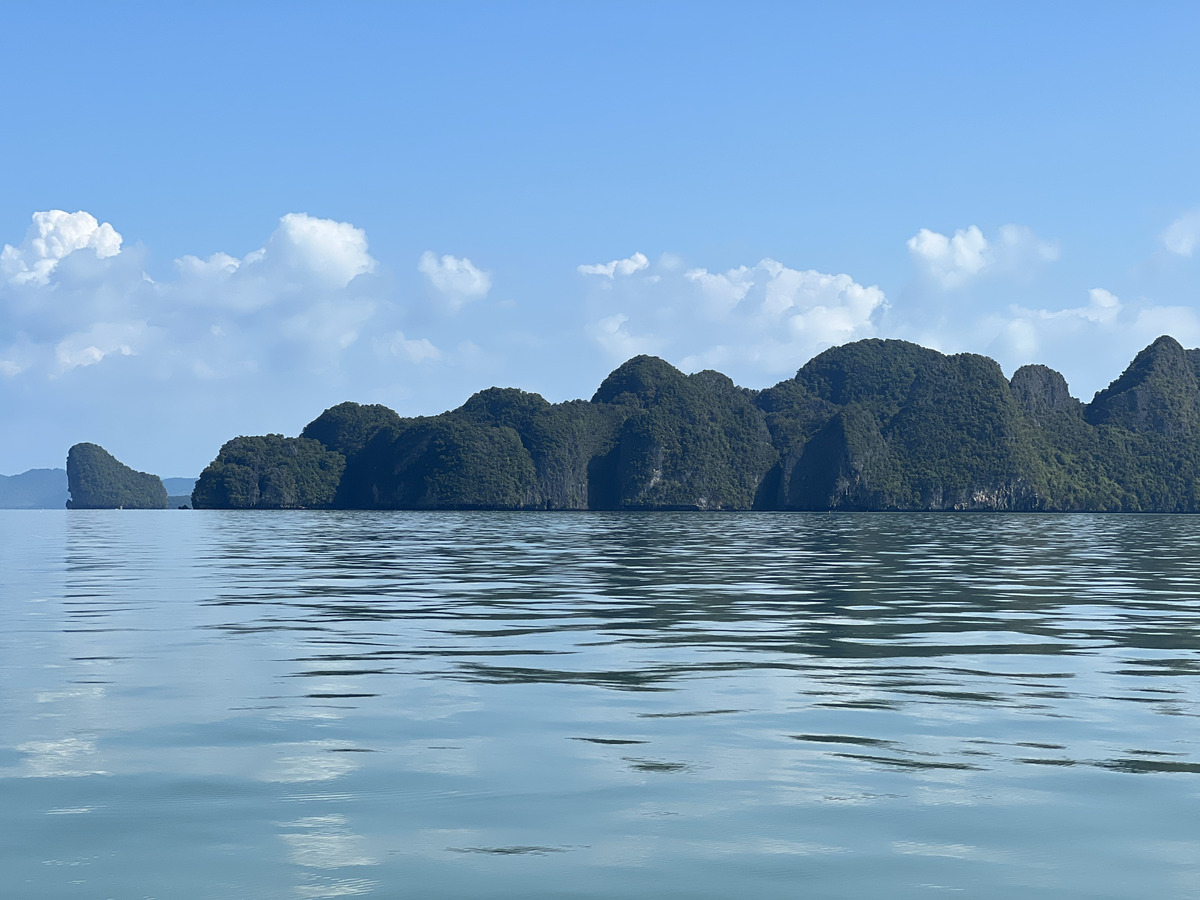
x=415 y=351
x=457 y=280
x=626 y=266
x=333 y=252
x=618 y=341
x=827 y=305
x=234 y=342
x=754 y=321
x=217 y=266
x=1183 y=235
x=1090 y=343
x=1018 y=249
x=333 y=324
x=103 y=339
x=1181 y=322
x=951 y=262
x=54 y=235
x=303 y=257
x=725 y=290
x=1022 y=333
x=1103 y=306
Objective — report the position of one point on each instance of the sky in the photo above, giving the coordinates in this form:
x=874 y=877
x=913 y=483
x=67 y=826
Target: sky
x=221 y=219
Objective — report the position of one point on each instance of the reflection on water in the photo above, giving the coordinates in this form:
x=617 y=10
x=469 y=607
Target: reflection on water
x=596 y=705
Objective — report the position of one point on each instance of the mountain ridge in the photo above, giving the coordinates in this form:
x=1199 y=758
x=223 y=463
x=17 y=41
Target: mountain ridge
x=870 y=425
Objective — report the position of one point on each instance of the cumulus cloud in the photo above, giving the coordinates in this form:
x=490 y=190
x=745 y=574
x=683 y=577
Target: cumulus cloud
x=613 y=334
x=750 y=320
x=456 y=280
x=54 y=235
x=304 y=256
x=1181 y=322
x=950 y=260
x=809 y=304
x=626 y=266
x=1103 y=306
x=334 y=253
x=1183 y=235
x=86 y=348
x=1024 y=332
x=722 y=290
x=80 y=322
x=415 y=351
x=953 y=261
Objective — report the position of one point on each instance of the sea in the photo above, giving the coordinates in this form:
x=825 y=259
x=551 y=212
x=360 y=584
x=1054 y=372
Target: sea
x=313 y=704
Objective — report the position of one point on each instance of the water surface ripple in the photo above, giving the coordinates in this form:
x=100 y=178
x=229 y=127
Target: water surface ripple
x=529 y=705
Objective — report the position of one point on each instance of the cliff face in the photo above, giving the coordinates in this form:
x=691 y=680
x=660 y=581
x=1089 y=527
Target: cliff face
x=1040 y=392
x=888 y=448
x=870 y=425
x=1158 y=393
x=97 y=480
x=687 y=442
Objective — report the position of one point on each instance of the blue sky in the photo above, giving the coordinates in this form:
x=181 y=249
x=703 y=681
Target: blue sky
x=290 y=205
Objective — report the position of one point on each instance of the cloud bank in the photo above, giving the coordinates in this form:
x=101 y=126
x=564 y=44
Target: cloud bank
x=88 y=333
x=755 y=320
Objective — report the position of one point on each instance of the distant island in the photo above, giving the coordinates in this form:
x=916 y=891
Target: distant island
x=871 y=425
x=97 y=480
x=34 y=489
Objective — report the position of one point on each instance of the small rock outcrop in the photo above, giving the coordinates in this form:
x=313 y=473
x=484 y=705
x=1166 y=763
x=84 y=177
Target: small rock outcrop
x=1040 y=392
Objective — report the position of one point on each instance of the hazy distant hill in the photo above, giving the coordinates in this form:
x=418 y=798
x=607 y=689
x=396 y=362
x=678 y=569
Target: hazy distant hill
x=179 y=486
x=35 y=489
x=872 y=425
x=179 y=491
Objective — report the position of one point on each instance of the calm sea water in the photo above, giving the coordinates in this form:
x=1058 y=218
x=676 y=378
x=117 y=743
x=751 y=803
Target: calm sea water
x=208 y=704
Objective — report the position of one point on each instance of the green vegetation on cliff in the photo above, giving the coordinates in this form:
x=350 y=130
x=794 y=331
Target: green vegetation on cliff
x=877 y=424
x=347 y=427
x=97 y=480
x=270 y=472
x=687 y=441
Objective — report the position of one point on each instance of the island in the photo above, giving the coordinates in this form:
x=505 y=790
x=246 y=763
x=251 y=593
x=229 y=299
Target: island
x=34 y=489
x=97 y=480
x=870 y=425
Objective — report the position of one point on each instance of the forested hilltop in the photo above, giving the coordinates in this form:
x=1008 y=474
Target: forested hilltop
x=872 y=425
x=97 y=480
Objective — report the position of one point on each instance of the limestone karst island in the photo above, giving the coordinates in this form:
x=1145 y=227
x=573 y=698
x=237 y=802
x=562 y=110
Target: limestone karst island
x=871 y=425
